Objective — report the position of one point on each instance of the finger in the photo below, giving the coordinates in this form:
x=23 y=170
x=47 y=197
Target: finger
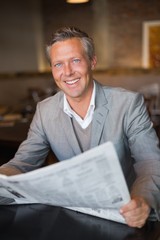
x=132 y=205
x=137 y=217
x=135 y=223
x=140 y=226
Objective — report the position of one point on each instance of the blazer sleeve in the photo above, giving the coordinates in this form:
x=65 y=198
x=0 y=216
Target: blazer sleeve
x=144 y=145
x=33 y=151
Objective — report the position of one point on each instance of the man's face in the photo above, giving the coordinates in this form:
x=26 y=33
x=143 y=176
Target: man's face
x=71 y=68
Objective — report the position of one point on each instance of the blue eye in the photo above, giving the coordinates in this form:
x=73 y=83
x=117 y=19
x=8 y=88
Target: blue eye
x=76 y=60
x=57 y=65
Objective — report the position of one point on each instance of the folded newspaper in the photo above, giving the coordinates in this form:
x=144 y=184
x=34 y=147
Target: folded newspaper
x=91 y=183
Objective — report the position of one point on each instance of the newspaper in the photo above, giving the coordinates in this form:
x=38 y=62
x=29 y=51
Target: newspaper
x=92 y=183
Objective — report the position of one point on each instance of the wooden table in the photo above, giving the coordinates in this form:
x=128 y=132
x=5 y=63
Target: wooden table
x=10 y=139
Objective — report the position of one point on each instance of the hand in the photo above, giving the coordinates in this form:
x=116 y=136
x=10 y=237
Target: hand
x=136 y=212
x=9 y=170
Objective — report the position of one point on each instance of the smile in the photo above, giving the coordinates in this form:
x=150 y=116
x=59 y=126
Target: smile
x=72 y=82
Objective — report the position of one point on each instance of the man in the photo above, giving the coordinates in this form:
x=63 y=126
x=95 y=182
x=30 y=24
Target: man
x=85 y=114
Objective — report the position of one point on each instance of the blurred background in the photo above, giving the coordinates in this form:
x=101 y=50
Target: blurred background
x=121 y=31
x=127 y=40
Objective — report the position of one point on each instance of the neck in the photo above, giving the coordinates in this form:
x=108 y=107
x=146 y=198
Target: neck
x=80 y=105
x=80 y=108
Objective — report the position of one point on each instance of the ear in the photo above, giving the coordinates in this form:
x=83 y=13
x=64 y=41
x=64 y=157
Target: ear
x=93 y=62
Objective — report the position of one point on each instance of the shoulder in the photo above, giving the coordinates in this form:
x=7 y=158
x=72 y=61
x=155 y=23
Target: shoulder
x=117 y=94
x=55 y=98
x=51 y=104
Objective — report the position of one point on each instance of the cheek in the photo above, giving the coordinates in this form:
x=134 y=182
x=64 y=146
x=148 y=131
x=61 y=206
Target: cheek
x=86 y=72
x=83 y=69
x=56 y=75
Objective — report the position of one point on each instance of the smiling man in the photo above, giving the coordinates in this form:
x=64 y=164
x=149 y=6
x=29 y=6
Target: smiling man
x=71 y=69
x=84 y=114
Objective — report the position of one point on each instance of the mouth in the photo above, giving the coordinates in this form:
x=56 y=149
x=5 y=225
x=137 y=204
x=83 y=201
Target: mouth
x=71 y=82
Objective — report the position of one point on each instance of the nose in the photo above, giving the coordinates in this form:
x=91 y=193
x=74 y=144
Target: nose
x=68 y=70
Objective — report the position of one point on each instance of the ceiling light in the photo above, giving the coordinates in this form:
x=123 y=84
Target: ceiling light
x=77 y=1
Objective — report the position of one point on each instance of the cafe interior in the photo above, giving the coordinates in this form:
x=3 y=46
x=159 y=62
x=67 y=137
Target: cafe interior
x=127 y=41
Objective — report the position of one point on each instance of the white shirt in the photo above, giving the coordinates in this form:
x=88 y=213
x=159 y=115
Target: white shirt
x=84 y=123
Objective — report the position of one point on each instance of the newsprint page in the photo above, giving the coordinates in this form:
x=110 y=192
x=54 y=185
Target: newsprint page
x=91 y=183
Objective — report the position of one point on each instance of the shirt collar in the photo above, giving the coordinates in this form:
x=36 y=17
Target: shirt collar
x=67 y=109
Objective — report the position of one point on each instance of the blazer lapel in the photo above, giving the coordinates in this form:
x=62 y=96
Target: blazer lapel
x=66 y=122
x=70 y=135
x=100 y=116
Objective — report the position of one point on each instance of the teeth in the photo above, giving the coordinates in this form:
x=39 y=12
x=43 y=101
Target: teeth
x=72 y=82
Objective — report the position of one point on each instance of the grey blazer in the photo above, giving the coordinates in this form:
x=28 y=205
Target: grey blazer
x=121 y=117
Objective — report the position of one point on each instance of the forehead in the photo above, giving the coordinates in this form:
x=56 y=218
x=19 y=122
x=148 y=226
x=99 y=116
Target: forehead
x=67 y=47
